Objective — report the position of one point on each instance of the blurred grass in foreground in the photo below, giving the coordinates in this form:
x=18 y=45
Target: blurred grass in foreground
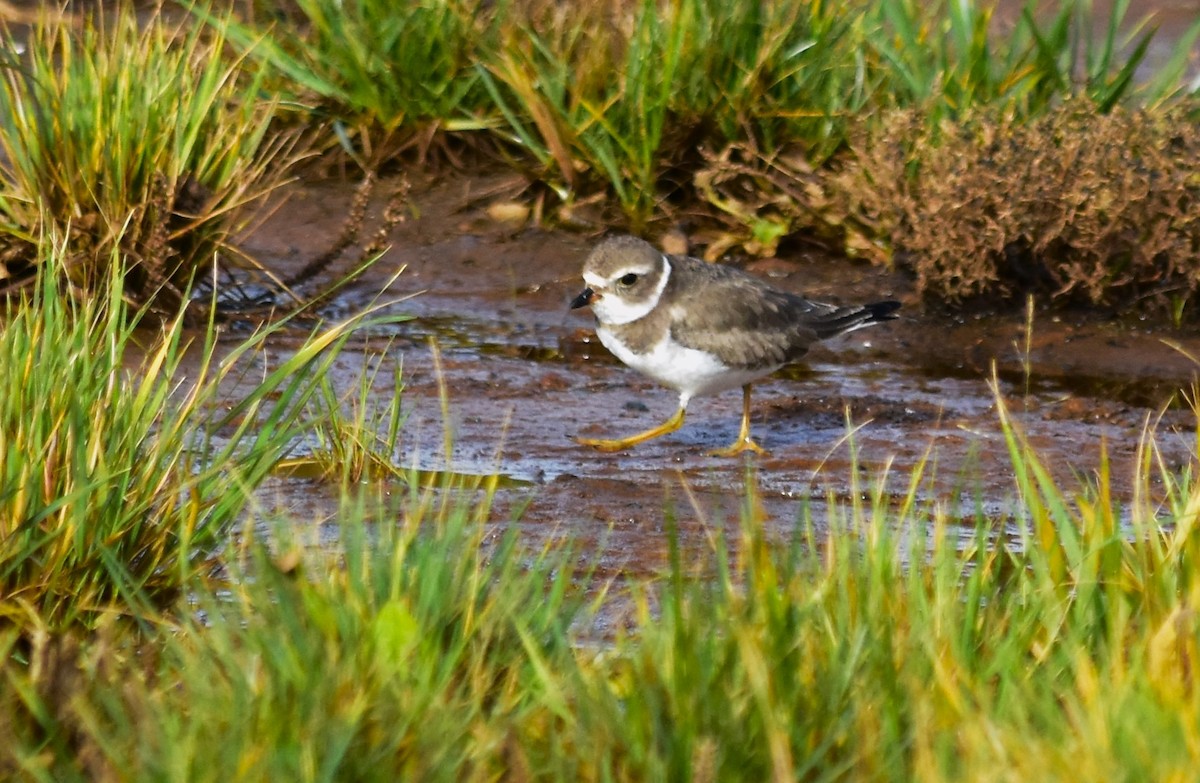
x=889 y=640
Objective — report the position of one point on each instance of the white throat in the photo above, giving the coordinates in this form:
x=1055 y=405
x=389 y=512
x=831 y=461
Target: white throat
x=613 y=310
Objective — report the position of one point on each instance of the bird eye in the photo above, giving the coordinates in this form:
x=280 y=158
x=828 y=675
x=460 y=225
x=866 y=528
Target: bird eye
x=628 y=280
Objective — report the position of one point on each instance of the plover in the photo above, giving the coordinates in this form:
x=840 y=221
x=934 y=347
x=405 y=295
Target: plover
x=702 y=328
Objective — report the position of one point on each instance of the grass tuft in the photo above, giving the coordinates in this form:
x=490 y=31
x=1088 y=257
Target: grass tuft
x=1085 y=207
x=420 y=647
x=387 y=77
x=123 y=138
x=120 y=468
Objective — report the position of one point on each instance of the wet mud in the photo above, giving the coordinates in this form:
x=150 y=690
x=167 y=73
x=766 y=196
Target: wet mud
x=521 y=374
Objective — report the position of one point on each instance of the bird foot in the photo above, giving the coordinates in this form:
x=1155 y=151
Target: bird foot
x=740 y=446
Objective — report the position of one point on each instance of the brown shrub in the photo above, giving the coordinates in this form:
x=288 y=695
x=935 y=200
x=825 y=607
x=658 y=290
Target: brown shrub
x=1100 y=208
x=1086 y=207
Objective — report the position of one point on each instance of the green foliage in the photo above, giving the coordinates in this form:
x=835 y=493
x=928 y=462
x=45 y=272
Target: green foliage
x=395 y=72
x=117 y=486
x=951 y=57
x=156 y=137
x=626 y=100
x=613 y=123
x=620 y=97
x=416 y=649
x=888 y=640
x=360 y=444
x=127 y=138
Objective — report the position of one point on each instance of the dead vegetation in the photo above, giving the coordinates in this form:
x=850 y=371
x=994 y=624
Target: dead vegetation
x=1082 y=206
x=1088 y=207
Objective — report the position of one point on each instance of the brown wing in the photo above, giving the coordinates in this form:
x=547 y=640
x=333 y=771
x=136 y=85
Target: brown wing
x=745 y=322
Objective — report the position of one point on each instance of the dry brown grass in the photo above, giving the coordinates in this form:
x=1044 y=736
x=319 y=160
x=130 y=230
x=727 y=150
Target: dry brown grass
x=1084 y=207
x=1096 y=208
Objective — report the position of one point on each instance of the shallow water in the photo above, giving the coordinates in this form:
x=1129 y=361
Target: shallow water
x=522 y=374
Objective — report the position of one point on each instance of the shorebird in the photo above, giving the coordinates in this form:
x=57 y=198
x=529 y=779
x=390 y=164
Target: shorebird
x=702 y=328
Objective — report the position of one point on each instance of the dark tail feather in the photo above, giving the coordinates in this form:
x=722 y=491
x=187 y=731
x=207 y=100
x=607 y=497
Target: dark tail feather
x=881 y=311
x=849 y=319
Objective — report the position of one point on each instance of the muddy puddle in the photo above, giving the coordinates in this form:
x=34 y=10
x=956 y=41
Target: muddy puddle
x=522 y=374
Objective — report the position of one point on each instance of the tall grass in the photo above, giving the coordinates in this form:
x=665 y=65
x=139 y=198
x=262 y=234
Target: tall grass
x=362 y=443
x=624 y=97
x=621 y=97
x=612 y=122
x=158 y=135
x=887 y=640
x=134 y=139
x=952 y=57
x=387 y=76
x=122 y=464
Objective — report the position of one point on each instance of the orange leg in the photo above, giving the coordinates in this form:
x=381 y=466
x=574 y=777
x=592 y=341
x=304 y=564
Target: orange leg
x=744 y=442
x=670 y=425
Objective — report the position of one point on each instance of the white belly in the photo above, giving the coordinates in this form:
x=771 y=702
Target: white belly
x=692 y=373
